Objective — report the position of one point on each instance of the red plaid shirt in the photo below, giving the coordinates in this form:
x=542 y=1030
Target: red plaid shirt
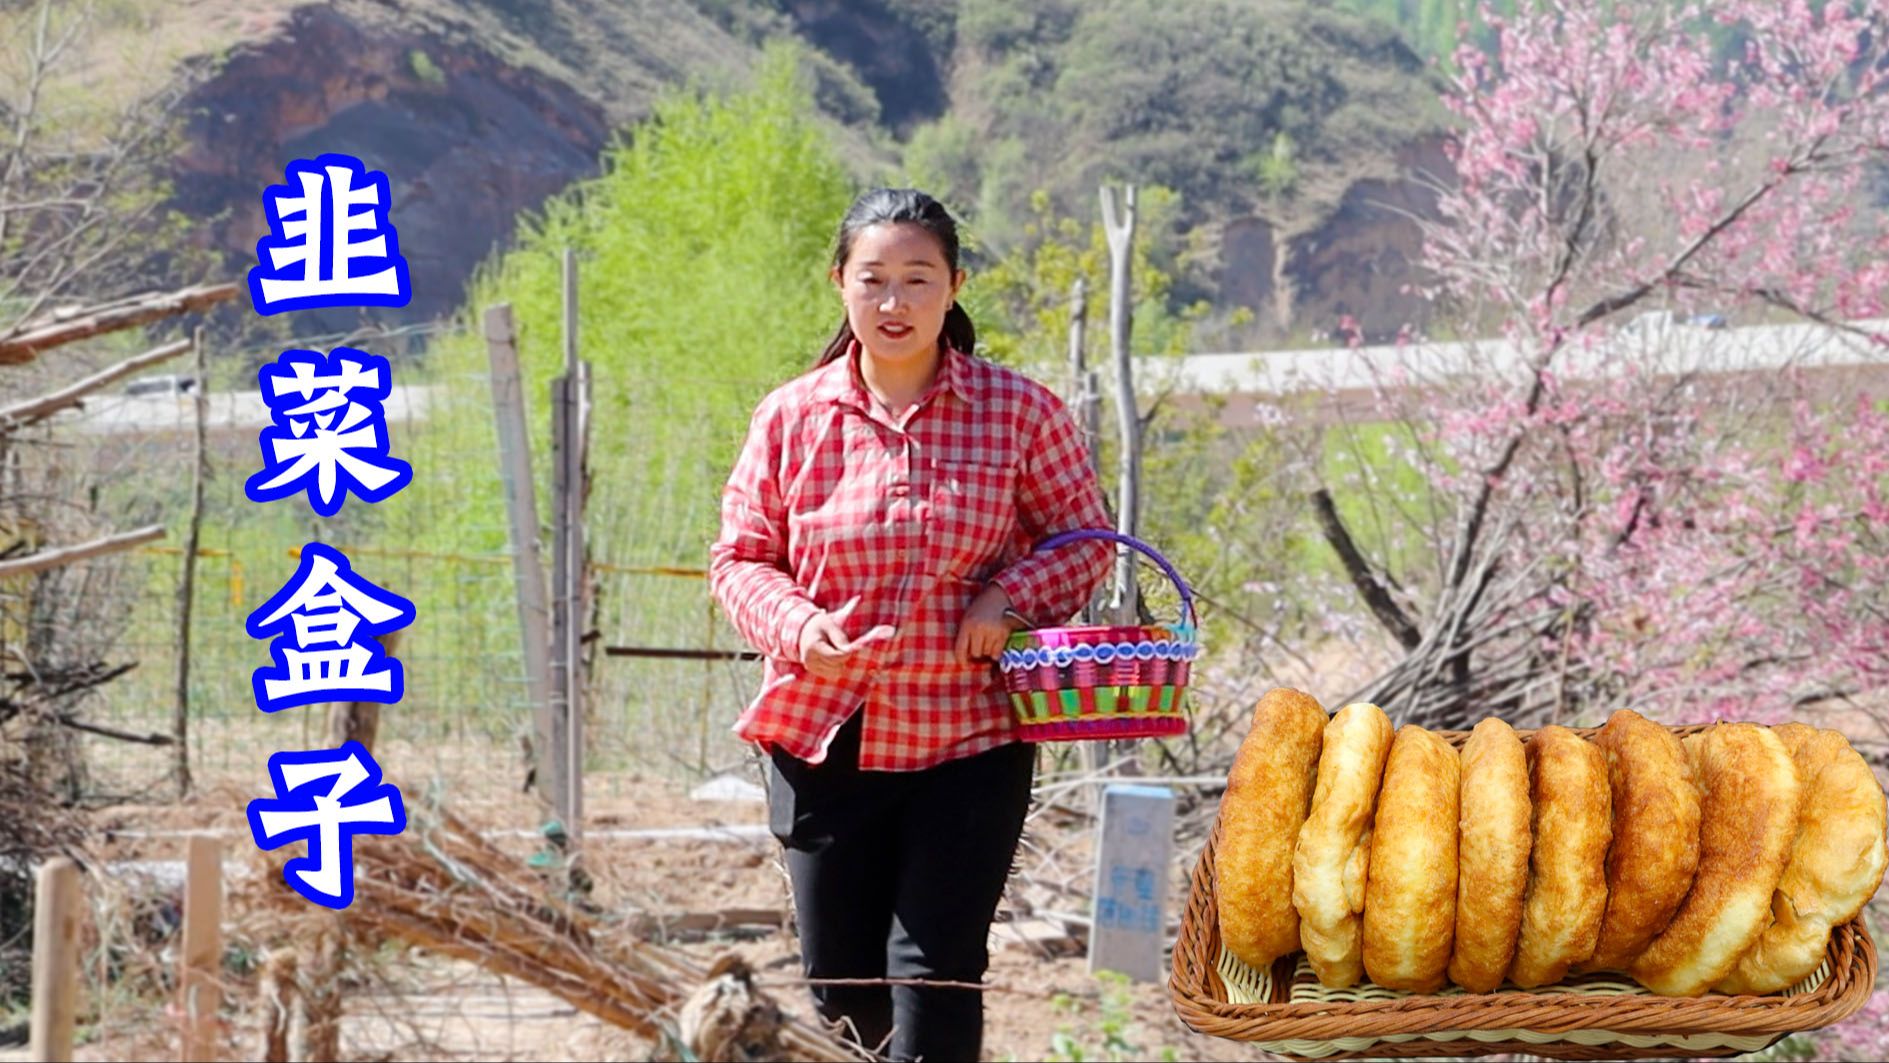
x=832 y=498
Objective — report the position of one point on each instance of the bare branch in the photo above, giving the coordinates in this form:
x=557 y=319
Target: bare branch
x=66 y=555
x=1359 y=570
x=1602 y=307
x=65 y=327
x=149 y=739
x=25 y=413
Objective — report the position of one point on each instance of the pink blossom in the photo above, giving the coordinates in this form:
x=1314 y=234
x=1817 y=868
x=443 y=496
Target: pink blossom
x=1725 y=556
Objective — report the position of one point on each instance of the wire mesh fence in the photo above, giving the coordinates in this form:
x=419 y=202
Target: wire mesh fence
x=442 y=542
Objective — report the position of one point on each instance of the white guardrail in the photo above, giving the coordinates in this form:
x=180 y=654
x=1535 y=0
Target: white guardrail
x=1652 y=342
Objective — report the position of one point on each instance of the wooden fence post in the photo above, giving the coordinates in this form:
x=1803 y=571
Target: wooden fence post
x=577 y=594
x=187 y=588
x=359 y=721
x=570 y=431
x=521 y=503
x=55 y=960
x=570 y=591
x=1118 y=223
x=199 y=983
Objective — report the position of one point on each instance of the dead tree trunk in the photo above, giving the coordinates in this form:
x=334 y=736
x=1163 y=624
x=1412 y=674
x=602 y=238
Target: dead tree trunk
x=1118 y=222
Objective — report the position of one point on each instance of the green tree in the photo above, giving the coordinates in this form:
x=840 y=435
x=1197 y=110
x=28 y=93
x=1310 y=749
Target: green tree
x=84 y=196
x=1277 y=167
x=1025 y=295
x=703 y=248
x=945 y=158
x=1213 y=500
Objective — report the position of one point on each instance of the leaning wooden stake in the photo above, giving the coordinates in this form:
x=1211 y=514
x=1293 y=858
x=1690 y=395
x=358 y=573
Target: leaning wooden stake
x=55 y=960
x=521 y=504
x=199 y=992
x=1118 y=223
x=85 y=551
x=62 y=327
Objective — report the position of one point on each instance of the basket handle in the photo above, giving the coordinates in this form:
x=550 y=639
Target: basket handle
x=1080 y=534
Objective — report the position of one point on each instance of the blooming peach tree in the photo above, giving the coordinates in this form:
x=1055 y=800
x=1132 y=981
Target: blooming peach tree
x=1626 y=505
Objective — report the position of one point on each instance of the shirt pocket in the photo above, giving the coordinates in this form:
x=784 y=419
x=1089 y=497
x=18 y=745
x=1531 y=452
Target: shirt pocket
x=973 y=516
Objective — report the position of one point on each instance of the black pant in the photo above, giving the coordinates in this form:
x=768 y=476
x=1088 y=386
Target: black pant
x=897 y=875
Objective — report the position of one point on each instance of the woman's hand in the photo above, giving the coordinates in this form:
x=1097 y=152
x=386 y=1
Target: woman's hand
x=986 y=626
x=824 y=647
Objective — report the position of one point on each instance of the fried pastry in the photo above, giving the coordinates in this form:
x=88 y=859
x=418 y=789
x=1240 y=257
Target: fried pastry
x=1567 y=866
x=1836 y=862
x=1333 y=857
x=1410 y=891
x=1655 y=848
x=1749 y=797
x=1494 y=836
x=1793 y=735
x=1268 y=793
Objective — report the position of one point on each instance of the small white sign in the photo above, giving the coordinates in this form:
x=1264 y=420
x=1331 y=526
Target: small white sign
x=1131 y=882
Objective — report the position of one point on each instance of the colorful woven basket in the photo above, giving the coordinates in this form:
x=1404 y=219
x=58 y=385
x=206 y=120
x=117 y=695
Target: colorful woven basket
x=1103 y=681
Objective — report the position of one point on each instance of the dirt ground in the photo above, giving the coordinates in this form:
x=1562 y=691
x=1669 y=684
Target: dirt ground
x=653 y=849
x=1043 y=1003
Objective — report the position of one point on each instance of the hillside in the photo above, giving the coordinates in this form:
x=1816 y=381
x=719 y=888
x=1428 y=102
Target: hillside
x=1288 y=130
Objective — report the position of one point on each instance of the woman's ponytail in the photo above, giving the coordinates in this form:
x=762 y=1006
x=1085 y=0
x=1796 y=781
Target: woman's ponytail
x=959 y=333
x=841 y=342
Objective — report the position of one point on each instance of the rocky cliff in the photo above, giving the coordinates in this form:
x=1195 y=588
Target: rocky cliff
x=1359 y=261
x=476 y=110
x=467 y=140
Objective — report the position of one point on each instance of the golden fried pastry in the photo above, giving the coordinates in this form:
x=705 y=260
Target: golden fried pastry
x=1410 y=892
x=1748 y=821
x=1492 y=855
x=1794 y=735
x=1567 y=867
x=1836 y=863
x=1656 y=835
x=1329 y=868
x=1268 y=792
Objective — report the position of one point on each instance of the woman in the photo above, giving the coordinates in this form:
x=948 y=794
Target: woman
x=875 y=547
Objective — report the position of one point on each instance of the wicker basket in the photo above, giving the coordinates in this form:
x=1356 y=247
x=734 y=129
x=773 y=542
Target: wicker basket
x=1288 y=1012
